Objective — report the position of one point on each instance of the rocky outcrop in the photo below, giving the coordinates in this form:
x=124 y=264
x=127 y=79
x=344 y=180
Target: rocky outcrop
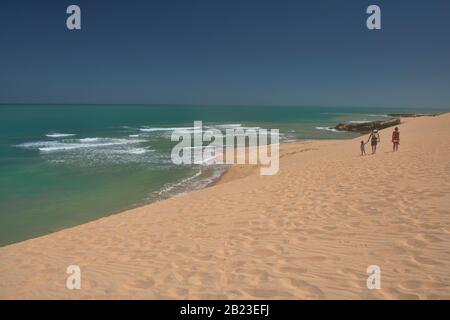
x=366 y=127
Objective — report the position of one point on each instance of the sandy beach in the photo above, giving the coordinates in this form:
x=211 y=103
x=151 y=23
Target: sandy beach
x=309 y=232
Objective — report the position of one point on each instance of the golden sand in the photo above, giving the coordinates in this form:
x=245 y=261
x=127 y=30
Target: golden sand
x=309 y=232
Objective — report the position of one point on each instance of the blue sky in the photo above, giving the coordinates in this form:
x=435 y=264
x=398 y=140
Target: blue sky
x=275 y=52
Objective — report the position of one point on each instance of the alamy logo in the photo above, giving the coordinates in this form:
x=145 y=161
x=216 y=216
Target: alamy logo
x=374 y=280
x=73 y=21
x=74 y=279
x=237 y=146
x=374 y=20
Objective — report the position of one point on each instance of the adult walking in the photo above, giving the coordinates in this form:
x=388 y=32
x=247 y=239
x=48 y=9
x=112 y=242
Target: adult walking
x=374 y=140
x=395 y=139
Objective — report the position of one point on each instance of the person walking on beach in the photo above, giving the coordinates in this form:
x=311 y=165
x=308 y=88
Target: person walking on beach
x=395 y=139
x=363 y=148
x=374 y=140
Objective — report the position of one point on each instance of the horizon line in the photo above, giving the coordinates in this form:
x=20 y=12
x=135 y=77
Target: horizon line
x=221 y=105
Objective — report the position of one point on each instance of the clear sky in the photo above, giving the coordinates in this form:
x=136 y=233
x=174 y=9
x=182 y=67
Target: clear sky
x=298 y=52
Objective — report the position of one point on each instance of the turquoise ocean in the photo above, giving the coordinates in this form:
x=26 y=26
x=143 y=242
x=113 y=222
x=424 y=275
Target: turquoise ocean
x=63 y=165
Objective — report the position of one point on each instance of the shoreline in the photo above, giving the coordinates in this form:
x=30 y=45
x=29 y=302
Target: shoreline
x=308 y=232
x=55 y=202
x=233 y=172
x=223 y=177
x=237 y=171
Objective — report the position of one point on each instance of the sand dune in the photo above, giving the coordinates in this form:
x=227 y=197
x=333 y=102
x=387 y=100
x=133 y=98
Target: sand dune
x=309 y=232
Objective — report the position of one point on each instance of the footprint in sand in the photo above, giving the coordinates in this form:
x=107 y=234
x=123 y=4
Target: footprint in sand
x=266 y=293
x=317 y=258
x=310 y=290
x=293 y=270
x=264 y=252
x=416 y=284
x=144 y=283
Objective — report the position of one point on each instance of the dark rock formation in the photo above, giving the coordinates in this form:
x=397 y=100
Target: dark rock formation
x=366 y=127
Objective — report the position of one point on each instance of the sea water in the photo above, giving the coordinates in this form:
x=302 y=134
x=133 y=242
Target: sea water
x=63 y=165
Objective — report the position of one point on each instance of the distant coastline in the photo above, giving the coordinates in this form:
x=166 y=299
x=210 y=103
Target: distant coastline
x=394 y=119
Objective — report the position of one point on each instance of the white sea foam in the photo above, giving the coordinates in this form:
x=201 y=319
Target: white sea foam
x=59 y=135
x=88 y=140
x=378 y=115
x=172 y=186
x=54 y=146
x=155 y=129
x=359 y=121
x=230 y=125
x=327 y=129
x=165 y=129
x=195 y=182
x=190 y=129
x=234 y=126
x=130 y=151
x=209 y=161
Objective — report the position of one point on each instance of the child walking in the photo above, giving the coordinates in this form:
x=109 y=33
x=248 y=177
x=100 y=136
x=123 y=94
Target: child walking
x=363 y=148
